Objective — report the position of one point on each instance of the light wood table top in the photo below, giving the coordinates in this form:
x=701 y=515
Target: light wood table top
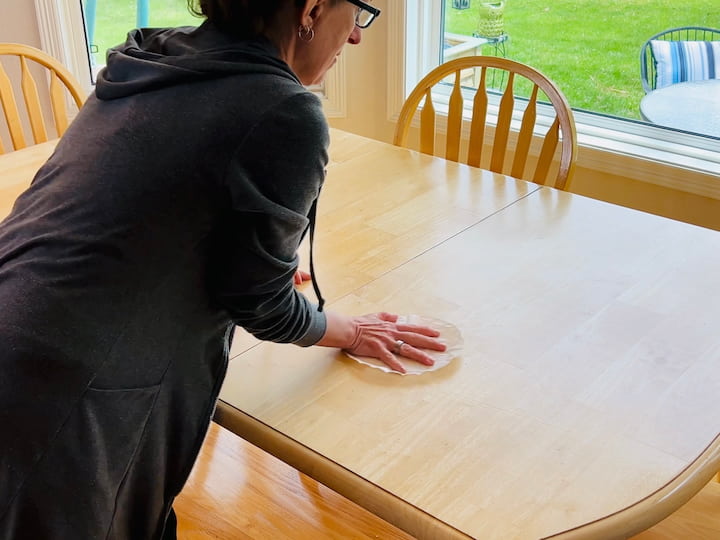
x=585 y=402
x=17 y=170
x=381 y=206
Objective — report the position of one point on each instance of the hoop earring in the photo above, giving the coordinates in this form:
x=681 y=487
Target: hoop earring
x=306 y=33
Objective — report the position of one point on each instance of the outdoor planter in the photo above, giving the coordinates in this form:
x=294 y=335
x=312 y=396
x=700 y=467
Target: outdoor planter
x=491 y=22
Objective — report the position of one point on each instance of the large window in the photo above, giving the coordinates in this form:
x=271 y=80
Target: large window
x=108 y=21
x=590 y=49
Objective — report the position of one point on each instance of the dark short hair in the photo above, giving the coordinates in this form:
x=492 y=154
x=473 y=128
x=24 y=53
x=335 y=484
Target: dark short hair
x=243 y=18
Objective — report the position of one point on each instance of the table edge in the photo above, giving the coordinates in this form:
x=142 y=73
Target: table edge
x=625 y=522
x=373 y=498
x=649 y=511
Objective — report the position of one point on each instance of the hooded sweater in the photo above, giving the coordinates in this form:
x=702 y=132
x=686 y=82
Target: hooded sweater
x=170 y=211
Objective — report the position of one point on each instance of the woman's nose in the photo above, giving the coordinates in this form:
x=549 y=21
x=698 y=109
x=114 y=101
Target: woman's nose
x=355 y=36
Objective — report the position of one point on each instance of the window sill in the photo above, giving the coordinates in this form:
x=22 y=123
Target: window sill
x=657 y=155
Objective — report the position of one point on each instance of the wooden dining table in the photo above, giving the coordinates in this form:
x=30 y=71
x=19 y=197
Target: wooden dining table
x=584 y=402
x=17 y=170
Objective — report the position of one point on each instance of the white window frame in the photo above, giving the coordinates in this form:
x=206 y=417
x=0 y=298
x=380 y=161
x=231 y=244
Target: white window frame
x=62 y=35
x=411 y=20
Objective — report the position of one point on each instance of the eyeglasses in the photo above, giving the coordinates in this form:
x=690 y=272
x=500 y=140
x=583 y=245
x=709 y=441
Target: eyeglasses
x=366 y=13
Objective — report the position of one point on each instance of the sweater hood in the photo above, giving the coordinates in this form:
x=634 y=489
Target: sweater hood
x=155 y=58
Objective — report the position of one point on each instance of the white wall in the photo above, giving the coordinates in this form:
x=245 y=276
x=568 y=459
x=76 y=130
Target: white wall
x=18 y=23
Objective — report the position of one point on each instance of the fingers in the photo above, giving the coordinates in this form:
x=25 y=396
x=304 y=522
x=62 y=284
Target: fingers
x=300 y=276
x=422 y=341
x=413 y=334
x=418 y=329
x=412 y=353
x=389 y=317
x=390 y=357
x=390 y=360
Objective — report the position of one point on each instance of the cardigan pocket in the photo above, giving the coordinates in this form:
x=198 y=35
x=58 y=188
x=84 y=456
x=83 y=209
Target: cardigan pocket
x=77 y=481
x=102 y=445
x=110 y=426
x=109 y=431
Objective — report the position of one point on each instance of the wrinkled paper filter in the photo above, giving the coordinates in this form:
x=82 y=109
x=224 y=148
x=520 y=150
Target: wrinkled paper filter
x=449 y=334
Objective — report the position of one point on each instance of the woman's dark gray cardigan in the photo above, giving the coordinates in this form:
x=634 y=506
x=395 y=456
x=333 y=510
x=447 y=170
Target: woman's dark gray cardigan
x=171 y=210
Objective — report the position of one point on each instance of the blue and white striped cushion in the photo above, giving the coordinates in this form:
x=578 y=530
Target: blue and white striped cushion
x=678 y=61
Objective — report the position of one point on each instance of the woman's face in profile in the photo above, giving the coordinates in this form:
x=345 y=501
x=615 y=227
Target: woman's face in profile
x=334 y=27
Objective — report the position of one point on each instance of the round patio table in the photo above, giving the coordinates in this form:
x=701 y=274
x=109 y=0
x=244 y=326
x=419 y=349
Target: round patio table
x=691 y=106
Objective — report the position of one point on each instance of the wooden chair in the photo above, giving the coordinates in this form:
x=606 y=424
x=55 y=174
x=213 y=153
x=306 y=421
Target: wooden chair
x=508 y=113
x=59 y=79
x=677 y=55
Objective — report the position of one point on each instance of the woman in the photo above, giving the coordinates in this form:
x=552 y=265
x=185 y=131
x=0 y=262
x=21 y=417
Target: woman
x=170 y=212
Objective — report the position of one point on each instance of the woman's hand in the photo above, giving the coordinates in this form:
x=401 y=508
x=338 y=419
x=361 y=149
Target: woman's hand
x=300 y=276
x=380 y=336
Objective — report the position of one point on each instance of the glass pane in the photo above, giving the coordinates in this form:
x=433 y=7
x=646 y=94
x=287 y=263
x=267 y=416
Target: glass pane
x=108 y=21
x=364 y=18
x=590 y=49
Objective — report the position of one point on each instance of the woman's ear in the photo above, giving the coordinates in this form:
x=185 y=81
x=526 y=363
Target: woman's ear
x=311 y=10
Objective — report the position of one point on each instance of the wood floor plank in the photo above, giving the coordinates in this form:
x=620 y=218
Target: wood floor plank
x=237 y=491
x=699 y=519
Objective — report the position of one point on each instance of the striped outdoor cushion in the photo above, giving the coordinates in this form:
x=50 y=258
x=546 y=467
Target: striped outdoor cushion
x=678 y=61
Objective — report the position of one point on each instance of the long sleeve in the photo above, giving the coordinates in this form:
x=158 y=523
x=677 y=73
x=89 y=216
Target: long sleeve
x=272 y=181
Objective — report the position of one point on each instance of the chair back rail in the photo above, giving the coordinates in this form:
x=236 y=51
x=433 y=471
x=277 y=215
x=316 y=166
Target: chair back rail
x=12 y=115
x=562 y=125
x=648 y=73
x=59 y=84
x=32 y=103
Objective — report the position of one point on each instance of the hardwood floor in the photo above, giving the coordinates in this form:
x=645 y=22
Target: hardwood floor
x=699 y=519
x=238 y=492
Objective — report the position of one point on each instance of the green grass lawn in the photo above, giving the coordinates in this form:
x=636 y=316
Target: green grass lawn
x=590 y=48
x=114 y=18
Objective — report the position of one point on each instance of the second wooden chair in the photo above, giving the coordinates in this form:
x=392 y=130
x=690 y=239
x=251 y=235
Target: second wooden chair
x=514 y=122
x=58 y=81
